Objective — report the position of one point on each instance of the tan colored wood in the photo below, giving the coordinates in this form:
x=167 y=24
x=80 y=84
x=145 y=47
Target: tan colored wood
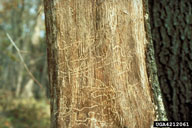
x=97 y=69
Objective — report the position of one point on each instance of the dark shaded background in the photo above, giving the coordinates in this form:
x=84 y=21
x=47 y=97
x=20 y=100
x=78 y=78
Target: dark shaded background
x=171 y=23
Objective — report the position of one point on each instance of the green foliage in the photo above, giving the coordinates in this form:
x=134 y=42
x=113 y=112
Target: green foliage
x=12 y=56
x=25 y=113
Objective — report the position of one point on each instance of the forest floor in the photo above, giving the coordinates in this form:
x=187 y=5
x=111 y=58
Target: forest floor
x=24 y=113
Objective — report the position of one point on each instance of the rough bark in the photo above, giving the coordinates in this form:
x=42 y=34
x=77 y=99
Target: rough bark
x=152 y=69
x=171 y=22
x=97 y=69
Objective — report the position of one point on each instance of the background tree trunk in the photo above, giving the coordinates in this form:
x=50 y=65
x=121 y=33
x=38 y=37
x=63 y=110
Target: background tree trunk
x=171 y=22
x=97 y=69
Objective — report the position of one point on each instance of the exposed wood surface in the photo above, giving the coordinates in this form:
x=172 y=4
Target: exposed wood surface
x=97 y=69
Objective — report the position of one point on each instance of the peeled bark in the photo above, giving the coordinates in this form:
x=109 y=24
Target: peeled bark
x=97 y=66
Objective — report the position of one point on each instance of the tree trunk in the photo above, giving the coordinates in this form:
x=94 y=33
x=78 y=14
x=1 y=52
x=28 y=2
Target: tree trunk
x=97 y=66
x=19 y=81
x=171 y=22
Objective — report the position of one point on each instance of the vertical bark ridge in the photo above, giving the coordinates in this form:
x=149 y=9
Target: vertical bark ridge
x=171 y=23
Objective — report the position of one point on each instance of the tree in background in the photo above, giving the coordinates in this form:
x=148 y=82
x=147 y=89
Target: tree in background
x=23 y=20
x=97 y=65
x=171 y=22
